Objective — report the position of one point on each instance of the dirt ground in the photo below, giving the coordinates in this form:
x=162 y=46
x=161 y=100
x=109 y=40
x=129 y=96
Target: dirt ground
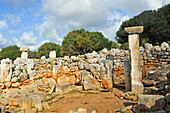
x=102 y=102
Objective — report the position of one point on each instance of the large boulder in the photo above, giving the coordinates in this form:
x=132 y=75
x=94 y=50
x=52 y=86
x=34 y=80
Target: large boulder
x=164 y=46
x=150 y=103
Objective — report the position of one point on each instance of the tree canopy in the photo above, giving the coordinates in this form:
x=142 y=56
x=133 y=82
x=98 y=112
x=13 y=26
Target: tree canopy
x=44 y=49
x=11 y=52
x=80 y=42
x=156 y=26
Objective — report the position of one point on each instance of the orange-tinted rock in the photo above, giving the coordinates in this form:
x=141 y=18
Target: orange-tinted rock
x=106 y=84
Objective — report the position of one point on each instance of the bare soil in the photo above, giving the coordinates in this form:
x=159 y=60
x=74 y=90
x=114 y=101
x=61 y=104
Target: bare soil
x=102 y=102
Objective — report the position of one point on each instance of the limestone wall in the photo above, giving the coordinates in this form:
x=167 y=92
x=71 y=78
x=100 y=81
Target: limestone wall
x=91 y=69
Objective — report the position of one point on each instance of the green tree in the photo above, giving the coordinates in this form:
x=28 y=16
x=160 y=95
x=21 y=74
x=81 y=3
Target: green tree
x=81 y=42
x=115 y=45
x=156 y=26
x=44 y=49
x=32 y=54
x=11 y=52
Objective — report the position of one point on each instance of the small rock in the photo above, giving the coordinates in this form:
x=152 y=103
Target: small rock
x=126 y=108
x=82 y=110
x=72 y=111
x=45 y=106
x=93 y=111
x=63 y=88
x=16 y=85
x=14 y=79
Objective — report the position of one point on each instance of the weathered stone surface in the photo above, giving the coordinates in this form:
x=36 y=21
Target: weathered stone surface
x=151 y=102
x=52 y=54
x=133 y=30
x=3 y=101
x=63 y=88
x=45 y=106
x=127 y=75
x=81 y=65
x=25 y=103
x=24 y=49
x=22 y=76
x=24 y=55
x=2 y=108
x=82 y=110
x=85 y=80
x=14 y=101
x=33 y=110
x=36 y=101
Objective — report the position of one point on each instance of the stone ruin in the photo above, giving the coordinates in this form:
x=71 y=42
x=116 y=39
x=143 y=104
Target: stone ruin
x=26 y=83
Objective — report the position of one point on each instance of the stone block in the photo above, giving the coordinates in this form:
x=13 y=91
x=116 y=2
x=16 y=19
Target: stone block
x=6 y=69
x=85 y=79
x=55 y=69
x=63 y=88
x=134 y=30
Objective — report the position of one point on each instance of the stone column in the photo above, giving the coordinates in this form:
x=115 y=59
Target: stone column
x=136 y=78
x=24 y=54
x=6 y=69
x=52 y=54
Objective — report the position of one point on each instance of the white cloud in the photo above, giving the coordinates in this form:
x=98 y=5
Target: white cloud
x=15 y=19
x=48 y=29
x=3 y=42
x=28 y=38
x=95 y=15
x=35 y=47
x=3 y=24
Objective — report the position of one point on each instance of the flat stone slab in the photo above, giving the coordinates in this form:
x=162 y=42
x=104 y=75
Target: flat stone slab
x=24 y=49
x=134 y=30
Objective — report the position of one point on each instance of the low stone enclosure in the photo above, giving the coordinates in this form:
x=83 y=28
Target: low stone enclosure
x=25 y=82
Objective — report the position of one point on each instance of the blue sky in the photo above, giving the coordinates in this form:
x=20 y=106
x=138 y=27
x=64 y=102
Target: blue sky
x=31 y=23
